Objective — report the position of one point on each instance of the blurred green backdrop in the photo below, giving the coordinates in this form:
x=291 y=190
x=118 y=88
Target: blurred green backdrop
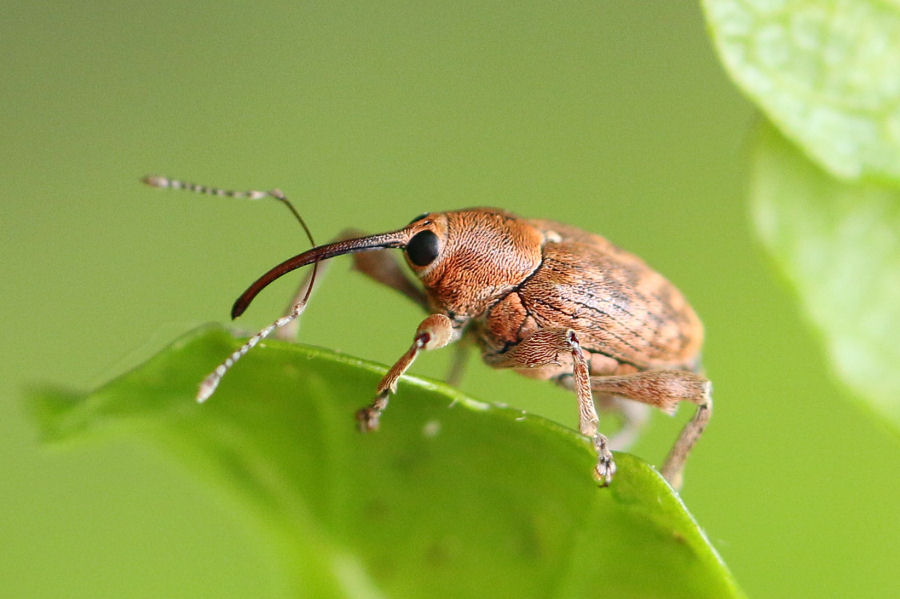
x=615 y=118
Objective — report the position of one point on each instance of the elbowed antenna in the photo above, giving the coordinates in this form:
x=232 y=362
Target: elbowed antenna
x=394 y=239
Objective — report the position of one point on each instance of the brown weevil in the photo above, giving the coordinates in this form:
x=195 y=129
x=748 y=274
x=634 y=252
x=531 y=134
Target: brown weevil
x=545 y=299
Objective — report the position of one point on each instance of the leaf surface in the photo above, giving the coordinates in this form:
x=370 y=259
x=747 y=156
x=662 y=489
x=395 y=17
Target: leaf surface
x=452 y=497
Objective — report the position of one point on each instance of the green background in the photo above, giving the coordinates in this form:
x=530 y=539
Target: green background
x=615 y=118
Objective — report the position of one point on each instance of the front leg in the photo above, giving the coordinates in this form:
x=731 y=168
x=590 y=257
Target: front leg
x=435 y=332
x=543 y=348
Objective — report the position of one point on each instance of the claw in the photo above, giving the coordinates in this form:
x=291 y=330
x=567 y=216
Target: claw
x=368 y=419
x=605 y=470
x=606 y=466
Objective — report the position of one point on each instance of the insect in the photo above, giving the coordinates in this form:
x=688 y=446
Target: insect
x=545 y=299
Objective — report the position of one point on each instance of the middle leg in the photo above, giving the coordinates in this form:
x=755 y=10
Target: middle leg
x=543 y=348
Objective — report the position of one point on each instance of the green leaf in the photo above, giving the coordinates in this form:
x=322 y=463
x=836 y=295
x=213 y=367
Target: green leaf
x=451 y=498
x=839 y=245
x=826 y=72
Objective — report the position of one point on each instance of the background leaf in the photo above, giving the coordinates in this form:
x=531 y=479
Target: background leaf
x=838 y=245
x=824 y=71
x=452 y=497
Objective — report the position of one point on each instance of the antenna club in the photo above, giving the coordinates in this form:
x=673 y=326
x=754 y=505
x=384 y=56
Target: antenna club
x=157 y=181
x=207 y=387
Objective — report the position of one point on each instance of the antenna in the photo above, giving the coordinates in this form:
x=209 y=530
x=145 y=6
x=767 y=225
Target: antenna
x=209 y=384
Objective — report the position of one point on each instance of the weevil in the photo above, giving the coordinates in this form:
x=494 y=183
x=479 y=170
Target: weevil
x=542 y=298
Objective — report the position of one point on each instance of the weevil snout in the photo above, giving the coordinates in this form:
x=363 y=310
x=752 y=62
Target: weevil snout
x=393 y=239
x=420 y=239
x=464 y=258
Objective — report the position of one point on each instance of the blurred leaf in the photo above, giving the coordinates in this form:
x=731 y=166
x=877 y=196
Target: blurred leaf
x=451 y=498
x=826 y=72
x=839 y=244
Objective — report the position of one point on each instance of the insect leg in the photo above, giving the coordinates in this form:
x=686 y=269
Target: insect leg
x=460 y=358
x=543 y=348
x=673 y=467
x=634 y=415
x=664 y=389
x=384 y=268
x=435 y=332
x=587 y=413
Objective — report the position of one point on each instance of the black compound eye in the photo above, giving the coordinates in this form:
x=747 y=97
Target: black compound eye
x=420 y=217
x=422 y=249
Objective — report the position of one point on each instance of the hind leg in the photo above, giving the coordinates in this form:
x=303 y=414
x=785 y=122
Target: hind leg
x=634 y=415
x=559 y=348
x=665 y=389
